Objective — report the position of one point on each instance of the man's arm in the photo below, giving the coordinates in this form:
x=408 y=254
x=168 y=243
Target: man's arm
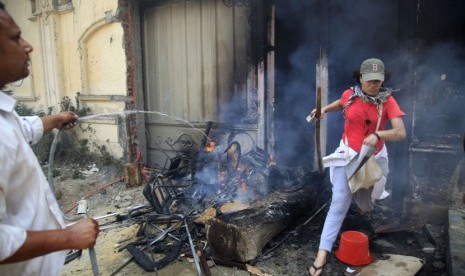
x=66 y=119
x=80 y=235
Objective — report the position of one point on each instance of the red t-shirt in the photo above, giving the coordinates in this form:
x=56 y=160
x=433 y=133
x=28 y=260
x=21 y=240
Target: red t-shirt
x=361 y=119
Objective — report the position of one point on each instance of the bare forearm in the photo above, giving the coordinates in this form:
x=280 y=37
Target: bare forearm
x=80 y=235
x=48 y=122
x=334 y=106
x=392 y=135
x=64 y=119
x=39 y=243
x=397 y=133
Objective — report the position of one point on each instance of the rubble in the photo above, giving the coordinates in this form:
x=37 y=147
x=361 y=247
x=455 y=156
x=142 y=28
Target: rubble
x=183 y=205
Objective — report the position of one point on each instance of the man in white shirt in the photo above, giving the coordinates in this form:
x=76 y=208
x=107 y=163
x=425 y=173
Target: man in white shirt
x=33 y=237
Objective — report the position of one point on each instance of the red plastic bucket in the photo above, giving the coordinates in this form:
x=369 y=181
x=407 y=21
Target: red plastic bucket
x=353 y=249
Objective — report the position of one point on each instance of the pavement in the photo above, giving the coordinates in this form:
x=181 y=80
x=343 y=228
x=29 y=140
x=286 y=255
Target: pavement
x=456 y=242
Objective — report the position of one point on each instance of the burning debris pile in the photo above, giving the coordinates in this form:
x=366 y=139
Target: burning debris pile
x=217 y=203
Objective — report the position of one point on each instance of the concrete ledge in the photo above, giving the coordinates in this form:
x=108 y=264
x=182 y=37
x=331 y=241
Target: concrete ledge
x=456 y=246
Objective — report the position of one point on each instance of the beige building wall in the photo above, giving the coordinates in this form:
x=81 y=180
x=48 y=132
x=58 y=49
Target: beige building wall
x=78 y=50
x=27 y=90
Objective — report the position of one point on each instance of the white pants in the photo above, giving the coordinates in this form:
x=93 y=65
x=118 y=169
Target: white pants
x=340 y=203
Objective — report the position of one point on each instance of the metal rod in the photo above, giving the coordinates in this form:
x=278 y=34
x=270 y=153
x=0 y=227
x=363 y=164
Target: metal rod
x=194 y=255
x=106 y=216
x=163 y=234
x=122 y=266
x=169 y=234
x=83 y=209
x=93 y=261
x=316 y=213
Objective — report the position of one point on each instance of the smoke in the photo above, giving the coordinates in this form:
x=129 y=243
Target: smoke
x=428 y=77
x=441 y=93
x=295 y=82
x=426 y=72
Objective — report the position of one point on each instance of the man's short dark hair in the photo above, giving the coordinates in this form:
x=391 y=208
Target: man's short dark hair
x=2 y=8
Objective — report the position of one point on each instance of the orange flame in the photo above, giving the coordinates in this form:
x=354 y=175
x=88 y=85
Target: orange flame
x=210 y=147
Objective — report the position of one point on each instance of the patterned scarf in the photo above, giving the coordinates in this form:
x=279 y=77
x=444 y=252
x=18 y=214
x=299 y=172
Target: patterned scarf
x=379 y=99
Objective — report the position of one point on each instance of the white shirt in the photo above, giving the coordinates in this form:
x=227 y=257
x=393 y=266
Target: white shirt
x=26 y=201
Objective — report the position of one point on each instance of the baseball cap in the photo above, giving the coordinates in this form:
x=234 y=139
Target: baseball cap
x=372 y=69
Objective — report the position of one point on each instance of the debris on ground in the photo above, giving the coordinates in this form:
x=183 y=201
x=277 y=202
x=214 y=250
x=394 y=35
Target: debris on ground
x=160 y=226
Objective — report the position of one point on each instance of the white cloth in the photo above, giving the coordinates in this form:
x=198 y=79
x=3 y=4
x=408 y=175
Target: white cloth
x=339 y=159
x=26 y=201
x=343 y=154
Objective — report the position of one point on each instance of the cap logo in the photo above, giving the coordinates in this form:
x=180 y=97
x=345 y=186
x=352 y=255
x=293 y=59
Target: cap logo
x=375 y=67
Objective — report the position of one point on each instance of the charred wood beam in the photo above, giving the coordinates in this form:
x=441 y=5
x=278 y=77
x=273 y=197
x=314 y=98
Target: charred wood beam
x=241 y=235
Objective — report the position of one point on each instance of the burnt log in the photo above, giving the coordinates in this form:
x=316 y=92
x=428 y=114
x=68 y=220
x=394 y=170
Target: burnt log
x=241 y=235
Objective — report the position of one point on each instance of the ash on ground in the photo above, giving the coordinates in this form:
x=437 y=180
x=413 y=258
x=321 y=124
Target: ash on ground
x=289 y=253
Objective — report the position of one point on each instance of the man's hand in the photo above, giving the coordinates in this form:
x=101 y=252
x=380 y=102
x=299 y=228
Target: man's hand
x=65 y=119
x=82 y=234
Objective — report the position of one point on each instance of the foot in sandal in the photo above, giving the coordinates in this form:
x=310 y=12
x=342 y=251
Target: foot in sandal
x=316 y=268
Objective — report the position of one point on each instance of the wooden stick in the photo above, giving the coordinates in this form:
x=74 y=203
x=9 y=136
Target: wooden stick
x=203 y=263
x=317 y=132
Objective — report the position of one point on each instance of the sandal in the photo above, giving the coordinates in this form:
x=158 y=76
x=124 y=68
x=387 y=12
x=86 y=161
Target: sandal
x=316 y=268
